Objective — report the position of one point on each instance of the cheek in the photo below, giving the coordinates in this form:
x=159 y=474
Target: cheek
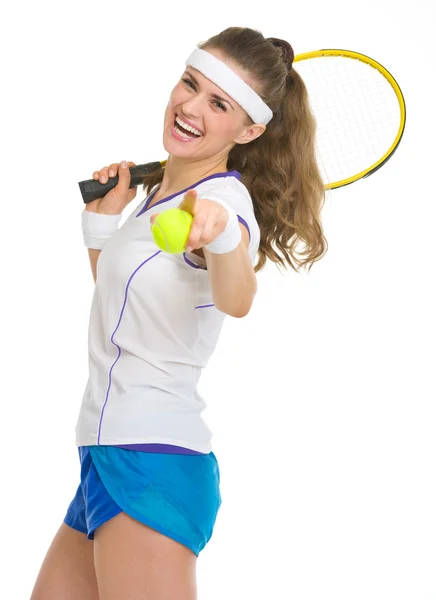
x=177 y=96
x=224 y=130
x=168 y=109
x=172 y=100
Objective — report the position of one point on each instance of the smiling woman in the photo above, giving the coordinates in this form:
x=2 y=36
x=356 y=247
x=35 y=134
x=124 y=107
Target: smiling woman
x=240 y=141
x=267 y=157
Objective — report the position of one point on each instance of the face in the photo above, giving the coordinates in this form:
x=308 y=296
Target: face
x=221 y=122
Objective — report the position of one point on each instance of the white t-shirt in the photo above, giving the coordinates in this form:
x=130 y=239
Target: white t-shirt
x=153 y=327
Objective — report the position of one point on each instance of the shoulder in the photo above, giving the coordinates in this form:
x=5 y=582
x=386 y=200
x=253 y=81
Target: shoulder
x=230 y=190
x=230 y=185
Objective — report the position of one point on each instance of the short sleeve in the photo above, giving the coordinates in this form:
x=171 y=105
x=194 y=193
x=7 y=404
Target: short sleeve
x=236 y=195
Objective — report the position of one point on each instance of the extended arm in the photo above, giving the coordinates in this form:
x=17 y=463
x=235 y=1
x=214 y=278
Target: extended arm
x=232 y=278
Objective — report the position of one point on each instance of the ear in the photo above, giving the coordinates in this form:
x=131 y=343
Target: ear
x=250 y=133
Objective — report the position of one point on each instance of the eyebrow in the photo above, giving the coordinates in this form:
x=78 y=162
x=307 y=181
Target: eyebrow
x=213 y=95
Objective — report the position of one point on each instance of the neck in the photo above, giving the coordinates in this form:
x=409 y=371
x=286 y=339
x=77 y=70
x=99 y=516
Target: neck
x=181 y=173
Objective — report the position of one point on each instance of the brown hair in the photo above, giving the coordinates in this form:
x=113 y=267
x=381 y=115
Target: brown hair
x=278 y=168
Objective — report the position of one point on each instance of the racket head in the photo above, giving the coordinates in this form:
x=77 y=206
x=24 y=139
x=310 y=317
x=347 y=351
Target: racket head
x=359 y=109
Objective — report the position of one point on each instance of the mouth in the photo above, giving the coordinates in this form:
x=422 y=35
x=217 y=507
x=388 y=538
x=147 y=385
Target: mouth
x=183 y=130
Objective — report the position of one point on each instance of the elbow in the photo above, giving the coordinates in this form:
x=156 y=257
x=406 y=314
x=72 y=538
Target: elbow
x=242 y=312
x=238 y=304
x=241 y=315
x=238 y=313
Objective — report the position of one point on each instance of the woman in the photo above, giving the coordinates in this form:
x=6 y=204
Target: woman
x=241 y=158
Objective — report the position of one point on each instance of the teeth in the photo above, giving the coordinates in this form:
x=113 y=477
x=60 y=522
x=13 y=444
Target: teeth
x=188 y=127
x=183 y=134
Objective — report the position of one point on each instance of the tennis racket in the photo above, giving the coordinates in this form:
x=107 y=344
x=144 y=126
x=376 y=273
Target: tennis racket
x=360 y=113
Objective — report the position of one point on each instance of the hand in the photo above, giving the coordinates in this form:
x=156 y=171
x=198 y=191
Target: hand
x=118 y=197
x=210 y=219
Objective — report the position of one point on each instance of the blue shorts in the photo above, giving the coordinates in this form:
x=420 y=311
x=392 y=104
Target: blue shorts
x=175 y=494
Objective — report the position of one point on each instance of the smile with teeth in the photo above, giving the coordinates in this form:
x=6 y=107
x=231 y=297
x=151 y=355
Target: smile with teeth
x=184 y=128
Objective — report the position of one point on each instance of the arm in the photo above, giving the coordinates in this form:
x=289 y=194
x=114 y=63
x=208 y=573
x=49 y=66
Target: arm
x=232 y=278
x=93 y=257
x=95 y=231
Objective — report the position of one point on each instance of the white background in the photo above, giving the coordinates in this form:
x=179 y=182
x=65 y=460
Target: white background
x=321 y=400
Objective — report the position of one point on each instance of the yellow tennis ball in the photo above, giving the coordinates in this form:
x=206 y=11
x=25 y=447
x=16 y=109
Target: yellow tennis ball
x=171 y=229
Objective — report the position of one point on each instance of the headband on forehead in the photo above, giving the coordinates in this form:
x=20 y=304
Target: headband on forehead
x=218 y=72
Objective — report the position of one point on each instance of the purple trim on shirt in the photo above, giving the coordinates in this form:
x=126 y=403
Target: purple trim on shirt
x=160 y=448
x=205 y=305
x=112 y=340
x=216 y=175
x=244 y=222
x=191 y=264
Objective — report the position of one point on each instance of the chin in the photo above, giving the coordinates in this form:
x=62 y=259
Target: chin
x=174 y=147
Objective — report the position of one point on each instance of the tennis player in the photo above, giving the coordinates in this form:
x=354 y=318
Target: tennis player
x=240 y=135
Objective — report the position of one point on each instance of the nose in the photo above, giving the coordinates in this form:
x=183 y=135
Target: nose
x=193 y=107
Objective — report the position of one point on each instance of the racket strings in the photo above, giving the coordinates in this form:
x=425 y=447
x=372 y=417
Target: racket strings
x=357 y=113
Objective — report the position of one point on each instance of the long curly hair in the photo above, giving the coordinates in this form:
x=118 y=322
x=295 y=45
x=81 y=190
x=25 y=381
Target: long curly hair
x=278 y=168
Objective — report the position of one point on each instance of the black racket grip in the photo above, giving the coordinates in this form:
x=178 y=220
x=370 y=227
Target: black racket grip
x=92 y=189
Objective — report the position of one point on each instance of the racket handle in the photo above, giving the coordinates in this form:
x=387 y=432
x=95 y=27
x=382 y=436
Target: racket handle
x=92 y=189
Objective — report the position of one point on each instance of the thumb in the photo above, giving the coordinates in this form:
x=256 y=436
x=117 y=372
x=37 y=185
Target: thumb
x=124 y=176
x=189 y=201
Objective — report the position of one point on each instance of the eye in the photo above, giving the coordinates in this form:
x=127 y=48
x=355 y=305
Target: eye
x=217 y=102
x=189 y=82
x=221 y=106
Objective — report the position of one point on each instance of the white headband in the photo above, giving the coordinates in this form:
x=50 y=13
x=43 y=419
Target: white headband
x=218 y=72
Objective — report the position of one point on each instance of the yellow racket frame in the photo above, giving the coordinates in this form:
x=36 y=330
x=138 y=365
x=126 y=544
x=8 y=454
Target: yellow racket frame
x=376 y=65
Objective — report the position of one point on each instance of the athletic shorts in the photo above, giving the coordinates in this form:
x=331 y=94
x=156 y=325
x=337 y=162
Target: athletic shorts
x=175 y=494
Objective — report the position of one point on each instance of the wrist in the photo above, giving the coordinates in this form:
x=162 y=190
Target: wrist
x=230 y=238
x=98 y=227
